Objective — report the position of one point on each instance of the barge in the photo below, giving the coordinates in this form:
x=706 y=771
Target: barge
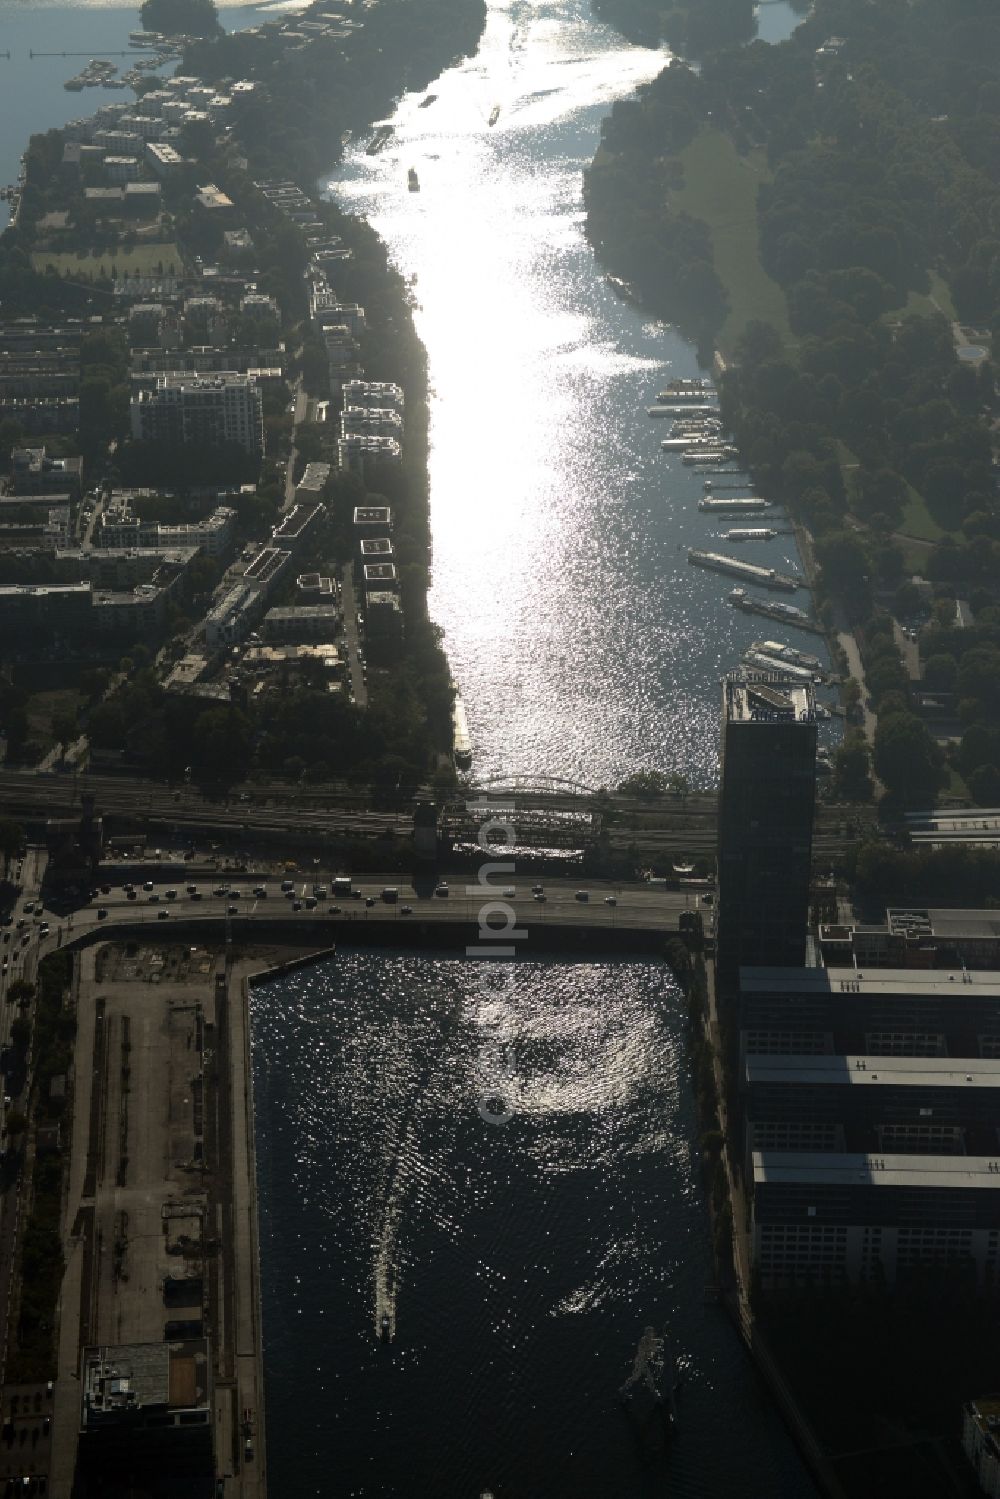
x=750 y=504
x=750 y=572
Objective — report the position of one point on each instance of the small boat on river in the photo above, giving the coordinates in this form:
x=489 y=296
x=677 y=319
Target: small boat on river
x=413 y=181
x=494 y=115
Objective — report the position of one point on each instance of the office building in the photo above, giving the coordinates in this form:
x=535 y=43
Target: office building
x=881 y=1012
x=829 y=1217
x=766 y=803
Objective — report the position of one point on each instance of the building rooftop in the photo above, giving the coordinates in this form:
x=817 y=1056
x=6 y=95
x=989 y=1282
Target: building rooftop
x=876 y=983
x=874 y=1071
x=121 y=1381
x=833 y=1169
x=767 y=697
x=925 y=921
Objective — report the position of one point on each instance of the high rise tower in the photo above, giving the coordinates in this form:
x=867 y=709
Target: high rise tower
x=766 y=804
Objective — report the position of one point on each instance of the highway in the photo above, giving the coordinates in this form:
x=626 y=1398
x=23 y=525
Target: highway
x=234 y=897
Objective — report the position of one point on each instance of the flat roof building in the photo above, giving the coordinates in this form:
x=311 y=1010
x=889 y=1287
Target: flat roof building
x=766 y=808
x=881 y=1011
x=832 y=1217
x=206 y=409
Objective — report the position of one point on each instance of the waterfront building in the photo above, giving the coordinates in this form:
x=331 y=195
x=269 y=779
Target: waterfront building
x=881 y=1012
x=201 y=409
x=373 y=393
x=362 y=421
x=144 y=1405
x=383 y=627
x=931 y=1105
x=380 y=577
x=356 y=455
x=373 y=520
x=829 y=1217
x=766 y=806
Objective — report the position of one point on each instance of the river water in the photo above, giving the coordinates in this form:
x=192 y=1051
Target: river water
x=583 y=643
x=518 y=1264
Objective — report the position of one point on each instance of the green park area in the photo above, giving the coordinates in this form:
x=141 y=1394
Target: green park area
x=720 y=188
x=125 y=260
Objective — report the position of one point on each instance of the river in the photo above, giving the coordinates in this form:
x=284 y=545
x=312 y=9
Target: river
x=518 y=1264
x=583 y=643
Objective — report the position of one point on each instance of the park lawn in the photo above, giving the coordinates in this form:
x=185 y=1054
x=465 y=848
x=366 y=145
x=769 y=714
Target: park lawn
x=136 y=260
x=938 y=299
x=720 y=188
x=917 y=520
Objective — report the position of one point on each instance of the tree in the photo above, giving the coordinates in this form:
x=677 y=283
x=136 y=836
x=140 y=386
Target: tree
x=984 y=785
x=852 y=780
x=907 y=759
x=65 y=730
x=940 y=673
x=20 y=992
x=189 y=17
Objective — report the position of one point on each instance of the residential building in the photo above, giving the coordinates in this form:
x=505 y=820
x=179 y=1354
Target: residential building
x=357 y=455
x=163 y=159
x=201 y=409
x=766 y=804
x=383 y=628
x=302 y=622
x=374 y=393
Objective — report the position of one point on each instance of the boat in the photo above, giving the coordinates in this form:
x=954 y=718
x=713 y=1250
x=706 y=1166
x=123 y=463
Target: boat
x=749 y=533
x=683 y=869
x=378 y=140
x=788 y=614
x=706 y=454
x=494 y=115
x=427 y=101
x=775 y=663
x=622 y=289
x=662 y=410
x=413 y=181
x=460 y=730
x=750 y=504
x=787 y=653
x=385 y=1328
x=751 y=572
x=687 y=390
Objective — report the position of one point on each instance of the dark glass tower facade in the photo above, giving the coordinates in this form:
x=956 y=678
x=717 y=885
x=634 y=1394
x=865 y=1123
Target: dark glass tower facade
x=766 y=807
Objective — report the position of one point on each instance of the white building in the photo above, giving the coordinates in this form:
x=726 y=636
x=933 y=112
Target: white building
x=373 y=393
x=201 y=409
x=163 y=159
